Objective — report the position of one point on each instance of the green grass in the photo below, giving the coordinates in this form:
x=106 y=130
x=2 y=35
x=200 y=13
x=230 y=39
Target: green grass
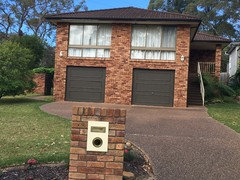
x=27 y=132
x=226 y=113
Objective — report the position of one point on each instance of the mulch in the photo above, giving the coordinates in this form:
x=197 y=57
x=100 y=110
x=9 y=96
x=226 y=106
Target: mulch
x=139 y=166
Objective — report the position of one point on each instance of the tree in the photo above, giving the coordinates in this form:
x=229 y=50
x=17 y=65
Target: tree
x=169 y=5
x=15 y=75
x=48 y=57
x=35 y=45
x=219 y=17
x=24 y=16
x=21 y=10
x=6 y=19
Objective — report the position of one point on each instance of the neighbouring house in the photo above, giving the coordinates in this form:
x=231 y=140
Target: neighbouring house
x=234 y=58
x=132 y=56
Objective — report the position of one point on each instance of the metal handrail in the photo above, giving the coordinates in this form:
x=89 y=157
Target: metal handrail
x=202 y=89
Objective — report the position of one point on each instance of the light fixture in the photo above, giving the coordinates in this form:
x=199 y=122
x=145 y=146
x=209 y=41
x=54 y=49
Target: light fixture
x=61 y=54
x=182 y=58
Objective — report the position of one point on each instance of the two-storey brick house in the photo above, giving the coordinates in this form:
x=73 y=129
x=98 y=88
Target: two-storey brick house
x=131 y=56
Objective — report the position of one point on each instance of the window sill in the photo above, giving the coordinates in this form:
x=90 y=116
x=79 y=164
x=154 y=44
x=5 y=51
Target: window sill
x=88 y=58
x=152 y=61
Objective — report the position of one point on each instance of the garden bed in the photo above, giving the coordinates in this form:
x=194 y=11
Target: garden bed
x=139 y=166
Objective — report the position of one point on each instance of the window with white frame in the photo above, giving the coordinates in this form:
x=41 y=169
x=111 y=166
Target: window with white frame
x=153 y=42
x=90 y=41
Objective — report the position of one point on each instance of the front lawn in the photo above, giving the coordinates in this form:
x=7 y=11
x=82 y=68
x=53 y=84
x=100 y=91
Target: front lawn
x=27 y=132
x=226 y=113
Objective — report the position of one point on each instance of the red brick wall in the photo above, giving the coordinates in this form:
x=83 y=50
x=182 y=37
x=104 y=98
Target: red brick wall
x=39 y=79
x=119 y=66
x=97 y=165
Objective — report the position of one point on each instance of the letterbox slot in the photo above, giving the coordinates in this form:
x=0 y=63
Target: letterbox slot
x=98 y=129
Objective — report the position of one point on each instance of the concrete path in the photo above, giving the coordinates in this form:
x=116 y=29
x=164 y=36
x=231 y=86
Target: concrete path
x=181 y=143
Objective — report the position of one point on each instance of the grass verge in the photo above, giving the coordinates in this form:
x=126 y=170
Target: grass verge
x=27 y=132
x=226 y=113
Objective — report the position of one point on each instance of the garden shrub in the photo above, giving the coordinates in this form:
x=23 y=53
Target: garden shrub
x=216 y=91
x=44 y=70
x=225 y=90
x=129 y=155
x=235 y=82
x=15 y=73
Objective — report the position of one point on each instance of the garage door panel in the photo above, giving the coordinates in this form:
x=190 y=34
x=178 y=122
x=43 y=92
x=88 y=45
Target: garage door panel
x=85 y=84
x=155 y=77
x=85 y=96
x=87 y=72
x=153 y=87
x=85 y=90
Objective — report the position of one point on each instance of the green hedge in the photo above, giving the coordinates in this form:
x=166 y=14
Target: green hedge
x=44 y=70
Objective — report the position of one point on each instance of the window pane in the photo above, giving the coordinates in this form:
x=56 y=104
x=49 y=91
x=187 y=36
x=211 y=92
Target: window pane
x=165 y=55
x=139 y=36
x=74 y=52
x=89 y=52
x=76 y=33
x=137 y=54
x=104 y=53
x=169 y=37
x=104 y=35
x=154 y=36
x=90 y=35
x=153 y=55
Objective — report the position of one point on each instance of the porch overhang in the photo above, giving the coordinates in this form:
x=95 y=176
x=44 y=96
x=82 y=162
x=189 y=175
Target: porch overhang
x=208 y=45
x=205 y=41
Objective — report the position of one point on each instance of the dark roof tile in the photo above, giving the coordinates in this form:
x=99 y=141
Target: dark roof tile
x=200 y=36
x=127 y=13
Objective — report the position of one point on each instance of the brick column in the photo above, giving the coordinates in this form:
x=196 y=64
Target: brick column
x=181 y=71
x=218 y=59
x=60 y=61
x=97 y=165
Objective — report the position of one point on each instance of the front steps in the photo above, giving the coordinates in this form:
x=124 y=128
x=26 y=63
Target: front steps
x=194 y=94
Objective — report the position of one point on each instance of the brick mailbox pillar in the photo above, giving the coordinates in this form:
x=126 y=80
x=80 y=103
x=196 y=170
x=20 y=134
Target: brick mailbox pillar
x=97 y=165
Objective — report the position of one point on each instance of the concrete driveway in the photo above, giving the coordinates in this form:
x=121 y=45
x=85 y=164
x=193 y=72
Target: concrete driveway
x=181 y=143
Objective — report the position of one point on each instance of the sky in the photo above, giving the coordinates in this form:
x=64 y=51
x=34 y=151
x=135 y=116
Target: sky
x=105 y=4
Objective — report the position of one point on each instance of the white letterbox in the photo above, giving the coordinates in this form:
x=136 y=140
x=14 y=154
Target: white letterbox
x=97 y=137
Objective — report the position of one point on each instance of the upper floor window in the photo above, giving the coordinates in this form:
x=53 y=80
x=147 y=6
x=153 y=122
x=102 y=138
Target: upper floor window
x=153 y=42
x=90 y=41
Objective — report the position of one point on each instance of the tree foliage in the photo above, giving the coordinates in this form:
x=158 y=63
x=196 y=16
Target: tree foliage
x=219 y=17
x=35 y=45
x=22 y=16
x=15 y=74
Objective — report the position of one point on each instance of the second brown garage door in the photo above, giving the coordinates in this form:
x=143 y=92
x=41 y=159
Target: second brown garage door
x=153 y=87
x=85 y=84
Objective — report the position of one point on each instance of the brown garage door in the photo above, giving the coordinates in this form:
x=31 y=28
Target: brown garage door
x=85 y=84
x=153 y=87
